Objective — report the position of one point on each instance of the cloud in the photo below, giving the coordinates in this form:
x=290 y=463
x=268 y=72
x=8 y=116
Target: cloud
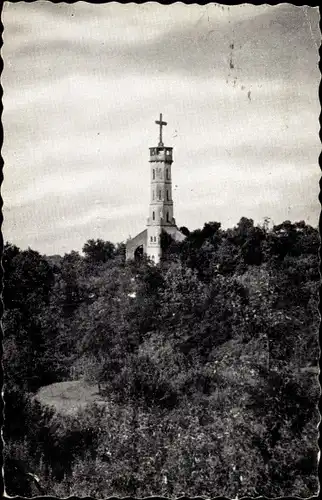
x=155 y=40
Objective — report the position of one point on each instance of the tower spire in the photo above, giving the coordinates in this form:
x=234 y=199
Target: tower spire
x=160 y=123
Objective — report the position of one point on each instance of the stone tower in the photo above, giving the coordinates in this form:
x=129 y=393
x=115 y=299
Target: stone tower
x=161 y=205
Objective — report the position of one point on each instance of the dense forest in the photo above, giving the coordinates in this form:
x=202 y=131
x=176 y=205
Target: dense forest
x=207 y=363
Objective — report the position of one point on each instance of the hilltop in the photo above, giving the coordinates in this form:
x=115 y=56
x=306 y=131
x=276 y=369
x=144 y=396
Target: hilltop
x=196 y=376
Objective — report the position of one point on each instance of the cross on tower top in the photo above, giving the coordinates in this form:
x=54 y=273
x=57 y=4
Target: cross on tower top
x=160 y=123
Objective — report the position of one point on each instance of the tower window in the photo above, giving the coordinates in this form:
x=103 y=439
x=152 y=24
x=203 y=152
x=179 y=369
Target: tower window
x=167 y=173
x=160 y=195
x=151 y=239
x=155 y=238
x=167 y=195
x=168 y=217
x=153 y=194
x=153 y=215
x=153 y=174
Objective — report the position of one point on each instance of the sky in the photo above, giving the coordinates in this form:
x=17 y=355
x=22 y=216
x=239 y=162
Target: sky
x=83 y=85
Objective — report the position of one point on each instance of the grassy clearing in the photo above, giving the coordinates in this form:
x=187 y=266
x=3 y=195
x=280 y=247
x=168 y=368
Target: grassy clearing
x=69 y=397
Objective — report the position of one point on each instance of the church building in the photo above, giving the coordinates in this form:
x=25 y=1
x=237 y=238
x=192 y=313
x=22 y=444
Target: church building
x=161 y=217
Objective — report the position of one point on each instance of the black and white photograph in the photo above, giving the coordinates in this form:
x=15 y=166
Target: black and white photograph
x=160 y=250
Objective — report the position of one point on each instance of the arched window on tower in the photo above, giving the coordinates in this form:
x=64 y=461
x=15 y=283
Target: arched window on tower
x=160 y=194
x=153 y=215
x=153 y=174
x=153 y=195
x=167 y=195
x=168 y=217
x=167 y=174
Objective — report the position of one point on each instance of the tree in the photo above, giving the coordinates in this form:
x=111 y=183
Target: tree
x=28 y=278
x=99 y=251
x=184 y=230
x=28 y=282
x=68 y=285
x=293 y=239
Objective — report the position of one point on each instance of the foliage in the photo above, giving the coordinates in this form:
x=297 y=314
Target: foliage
x=207 y=363
x=99 y=250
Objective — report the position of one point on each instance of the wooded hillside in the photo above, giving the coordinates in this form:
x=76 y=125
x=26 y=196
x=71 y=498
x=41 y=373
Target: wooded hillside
x=207 y=363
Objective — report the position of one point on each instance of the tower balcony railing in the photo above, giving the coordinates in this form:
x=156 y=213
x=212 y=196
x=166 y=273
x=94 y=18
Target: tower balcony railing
x=161 y=154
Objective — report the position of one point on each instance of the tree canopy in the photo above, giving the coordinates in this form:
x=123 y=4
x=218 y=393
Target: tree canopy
x=207 y=363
